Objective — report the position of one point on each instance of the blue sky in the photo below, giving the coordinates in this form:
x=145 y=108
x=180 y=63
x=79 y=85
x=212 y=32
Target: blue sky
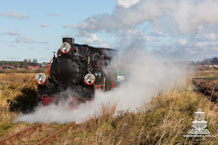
x=176 y=29
x=34 y=29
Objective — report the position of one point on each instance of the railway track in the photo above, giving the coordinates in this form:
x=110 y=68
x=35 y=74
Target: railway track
x=5 y=139
x=9 y=140
x=54 y=134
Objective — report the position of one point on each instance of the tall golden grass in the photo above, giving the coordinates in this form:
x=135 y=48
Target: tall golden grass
x=163 y=121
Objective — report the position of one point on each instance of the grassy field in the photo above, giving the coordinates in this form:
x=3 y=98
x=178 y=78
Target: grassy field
x=209 y=74
x=24 y=71
x=10 y=87
x=164 y=120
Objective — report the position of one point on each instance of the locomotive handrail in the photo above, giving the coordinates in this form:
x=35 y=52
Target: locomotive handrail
x=49 y=66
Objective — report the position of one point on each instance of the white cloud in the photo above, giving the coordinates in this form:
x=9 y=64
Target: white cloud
x=127 y=3
x=185 y=15
x=14 y=33
x=183 y=42
x=24 y=40
x=14 y=14
x=69 y=26
x=45 y=25
x=215 y=48
x=169 y=28
x=211 y=36
x=93 y=39
x=148 y=38
x=201 y=44
x=205 y=36
x=43 y=42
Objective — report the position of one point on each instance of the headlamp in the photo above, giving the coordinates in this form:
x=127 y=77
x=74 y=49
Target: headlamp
x=65 y=48
x=89 y=79
x=40 y=78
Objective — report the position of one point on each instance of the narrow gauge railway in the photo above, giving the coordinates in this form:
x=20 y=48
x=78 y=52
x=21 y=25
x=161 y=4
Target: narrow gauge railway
x=29 y=135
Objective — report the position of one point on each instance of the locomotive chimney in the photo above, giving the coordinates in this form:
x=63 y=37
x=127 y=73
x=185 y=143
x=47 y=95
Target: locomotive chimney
x=69 y=40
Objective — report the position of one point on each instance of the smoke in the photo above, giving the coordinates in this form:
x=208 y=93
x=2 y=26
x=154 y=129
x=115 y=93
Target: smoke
x=145 y=77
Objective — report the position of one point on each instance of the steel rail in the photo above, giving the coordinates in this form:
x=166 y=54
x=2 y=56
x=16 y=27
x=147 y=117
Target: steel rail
x=16 y=134
x=54 y=134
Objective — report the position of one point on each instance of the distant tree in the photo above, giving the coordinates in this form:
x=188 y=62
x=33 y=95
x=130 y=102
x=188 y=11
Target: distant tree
x=17 y=64
x=214 y=61
x=35 y=62
x=44 y=64
x=29 y=62
x=25 y=63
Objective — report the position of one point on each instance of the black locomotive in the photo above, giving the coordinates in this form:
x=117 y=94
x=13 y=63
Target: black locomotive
x=76 y=67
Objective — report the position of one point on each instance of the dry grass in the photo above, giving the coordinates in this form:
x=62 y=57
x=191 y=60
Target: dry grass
x=206 y=74
x=11 y=86
x=44 y=70
x=163 y=121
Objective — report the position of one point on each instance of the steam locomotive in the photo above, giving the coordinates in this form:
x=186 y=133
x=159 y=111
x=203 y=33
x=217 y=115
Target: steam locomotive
x=76 y=67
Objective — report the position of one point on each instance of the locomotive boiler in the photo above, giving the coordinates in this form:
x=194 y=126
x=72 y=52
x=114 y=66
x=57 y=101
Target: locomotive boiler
x=79 y=68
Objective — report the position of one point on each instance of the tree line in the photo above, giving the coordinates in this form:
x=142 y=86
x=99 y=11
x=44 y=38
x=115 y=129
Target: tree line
x=23 y=64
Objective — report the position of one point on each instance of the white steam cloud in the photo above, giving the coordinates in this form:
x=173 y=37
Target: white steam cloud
x=145 y=78
x=146 y=75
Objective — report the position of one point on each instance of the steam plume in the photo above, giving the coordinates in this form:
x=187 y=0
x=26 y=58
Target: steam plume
x=145 y=77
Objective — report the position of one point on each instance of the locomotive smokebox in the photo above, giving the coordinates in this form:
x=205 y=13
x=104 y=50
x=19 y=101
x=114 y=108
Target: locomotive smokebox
x=69 y=40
